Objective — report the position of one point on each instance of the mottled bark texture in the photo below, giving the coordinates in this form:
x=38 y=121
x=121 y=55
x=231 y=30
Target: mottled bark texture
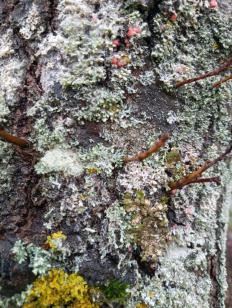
x=88 y=84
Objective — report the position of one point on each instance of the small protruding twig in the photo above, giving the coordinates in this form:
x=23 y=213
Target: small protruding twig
x=13 y=139
x=218 y=84
x=215 y=179
x=215 y=72
x=194 y=176
x=153 y=149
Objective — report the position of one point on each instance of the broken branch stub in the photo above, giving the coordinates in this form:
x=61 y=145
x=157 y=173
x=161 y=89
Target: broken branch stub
x=215 y=72
x=193 y=177
x=13 y=139
x=153 y=149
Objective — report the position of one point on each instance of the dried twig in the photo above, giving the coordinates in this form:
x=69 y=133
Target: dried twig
x=194 y=176
x=218 y=84
x=215 y=179
x=153 y=149
x=13 y=139
x=215 y=72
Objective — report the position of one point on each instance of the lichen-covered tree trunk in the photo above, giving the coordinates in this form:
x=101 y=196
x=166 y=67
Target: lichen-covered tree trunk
x=98 y=210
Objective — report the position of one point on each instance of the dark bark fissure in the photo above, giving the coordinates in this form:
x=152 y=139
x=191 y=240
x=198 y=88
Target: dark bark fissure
x=52 y=13
x=212 y=269
x=152 y=12
x=24 y=207
x=214 y=261
x=6 y=7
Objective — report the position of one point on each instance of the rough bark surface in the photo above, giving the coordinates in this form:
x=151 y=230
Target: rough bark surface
x=89 y=83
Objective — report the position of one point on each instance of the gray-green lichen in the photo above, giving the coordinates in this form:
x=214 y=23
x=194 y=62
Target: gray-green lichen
x=6 y=172
x=173 y=286
x=4 y=110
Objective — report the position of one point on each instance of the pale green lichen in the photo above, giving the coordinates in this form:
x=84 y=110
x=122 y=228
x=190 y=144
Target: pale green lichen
x=47 y=138
x=19 y=250
x=137 y=176
x=104 y=159
x=32 y=25
x=6 y=169
x=179 y=57
x=13 y=72
x=85 y=41
x=118 y=238
x=4 y=110
x=172 y=286
x=60 y=160
x=40 y=260
x=102 y=105
x=6 y=44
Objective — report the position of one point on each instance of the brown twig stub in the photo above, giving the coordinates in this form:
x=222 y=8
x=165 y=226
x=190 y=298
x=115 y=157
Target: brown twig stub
x=153 y=149
x=218 y=84
x=13 y=139
x=194 y=176
x=215 y=72
x=215 y=179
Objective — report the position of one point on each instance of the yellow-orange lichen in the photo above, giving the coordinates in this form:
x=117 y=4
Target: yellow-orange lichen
x=59 y=289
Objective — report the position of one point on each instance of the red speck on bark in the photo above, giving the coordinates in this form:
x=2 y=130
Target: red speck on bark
x=116 y=42
x=114 y=61
x=127 y=43
x=173 y=17
x=132 y=31
x=213 y=4
x=119 y=62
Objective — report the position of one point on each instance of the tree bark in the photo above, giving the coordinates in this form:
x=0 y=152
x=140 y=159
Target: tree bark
x=89 y=86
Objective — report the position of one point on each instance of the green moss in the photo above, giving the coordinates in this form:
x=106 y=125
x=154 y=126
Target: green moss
x=164 y=199
x=173 y=156
x=116 y=291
